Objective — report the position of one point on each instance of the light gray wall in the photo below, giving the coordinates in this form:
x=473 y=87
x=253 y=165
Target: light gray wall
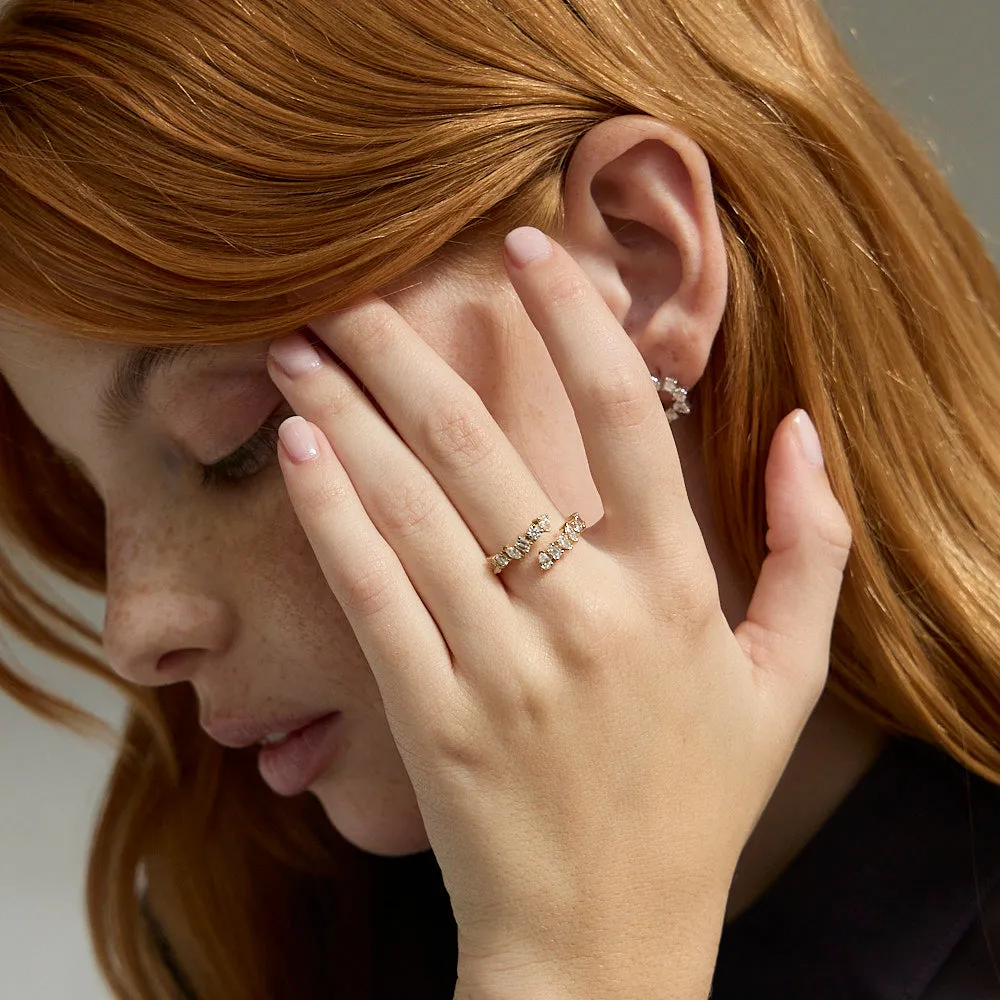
x=933 y=61
x=50 y=784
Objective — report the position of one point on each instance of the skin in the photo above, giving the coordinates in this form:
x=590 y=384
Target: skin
x=221 y=589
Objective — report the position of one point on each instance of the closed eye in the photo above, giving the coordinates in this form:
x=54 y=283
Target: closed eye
x=257 y=454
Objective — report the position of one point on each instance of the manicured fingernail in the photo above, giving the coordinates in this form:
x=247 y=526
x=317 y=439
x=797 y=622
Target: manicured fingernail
x=527 y=244
x=805 y=430
x=299 y=440
x=295 y=356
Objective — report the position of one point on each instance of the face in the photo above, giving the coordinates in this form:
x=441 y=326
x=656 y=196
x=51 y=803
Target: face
x=211 y=580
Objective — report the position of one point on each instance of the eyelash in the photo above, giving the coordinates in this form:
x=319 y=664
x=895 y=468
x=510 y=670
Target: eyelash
x=249 y=459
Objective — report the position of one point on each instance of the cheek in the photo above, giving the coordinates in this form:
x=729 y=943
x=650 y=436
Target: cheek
x=167 y=532
x=289 y=605
x=278 y=554
x=279 y=576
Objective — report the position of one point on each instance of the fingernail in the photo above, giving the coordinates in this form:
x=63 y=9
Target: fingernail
x=299 y=440
x=527 y=244
x=805 y=430
x=295 y=356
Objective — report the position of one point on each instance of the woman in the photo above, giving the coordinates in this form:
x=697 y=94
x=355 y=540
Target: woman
x=665 y=754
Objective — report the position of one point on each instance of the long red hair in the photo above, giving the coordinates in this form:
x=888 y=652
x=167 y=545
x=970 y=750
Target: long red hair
x=173 y=169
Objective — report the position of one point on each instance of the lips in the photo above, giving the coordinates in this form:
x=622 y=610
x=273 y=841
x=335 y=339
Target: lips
x=294 y=765
x=237 y=733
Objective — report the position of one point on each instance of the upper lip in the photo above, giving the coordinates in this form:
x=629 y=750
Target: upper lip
x=244 y=732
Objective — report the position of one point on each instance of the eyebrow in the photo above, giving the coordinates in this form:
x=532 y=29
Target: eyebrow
x=126 y=390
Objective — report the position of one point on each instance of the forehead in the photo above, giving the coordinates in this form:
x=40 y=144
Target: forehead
x=58 y=379
x=31 y=353
x=44 y=367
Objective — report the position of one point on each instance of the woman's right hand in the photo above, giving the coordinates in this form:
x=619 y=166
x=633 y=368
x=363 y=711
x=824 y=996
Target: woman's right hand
x=591 y=745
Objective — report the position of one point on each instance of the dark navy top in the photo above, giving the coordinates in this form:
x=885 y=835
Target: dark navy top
x=896 y=897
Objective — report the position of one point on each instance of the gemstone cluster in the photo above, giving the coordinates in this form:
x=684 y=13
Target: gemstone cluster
x=522 y=546
x=678 y=394
x=568 y=536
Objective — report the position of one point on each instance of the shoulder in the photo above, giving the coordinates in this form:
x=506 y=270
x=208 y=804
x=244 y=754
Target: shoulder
x=972 y=970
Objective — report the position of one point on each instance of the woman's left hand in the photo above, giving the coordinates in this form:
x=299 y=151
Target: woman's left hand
x=590 y=746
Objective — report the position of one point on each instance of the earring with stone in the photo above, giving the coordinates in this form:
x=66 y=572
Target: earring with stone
x=676 y=395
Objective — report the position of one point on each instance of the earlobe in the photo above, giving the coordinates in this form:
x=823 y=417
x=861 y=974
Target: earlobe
x=641 y=218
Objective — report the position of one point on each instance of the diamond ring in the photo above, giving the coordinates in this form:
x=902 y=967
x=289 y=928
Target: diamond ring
x=519 y=548
x=569 y=535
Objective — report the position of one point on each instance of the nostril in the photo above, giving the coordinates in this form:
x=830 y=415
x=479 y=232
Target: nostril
x=178 y=664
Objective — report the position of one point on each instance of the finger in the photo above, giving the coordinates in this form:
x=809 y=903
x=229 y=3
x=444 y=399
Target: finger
x=627 y=437
x=401 y=642
x=444 y=422
x=789 y=622
x=401 y=498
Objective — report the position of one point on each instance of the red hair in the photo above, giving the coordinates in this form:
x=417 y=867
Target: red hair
x=173 y=169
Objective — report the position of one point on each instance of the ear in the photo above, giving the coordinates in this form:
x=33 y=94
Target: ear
x=640 y=217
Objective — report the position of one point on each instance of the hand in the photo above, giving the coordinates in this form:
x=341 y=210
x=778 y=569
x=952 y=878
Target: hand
x=590 y=746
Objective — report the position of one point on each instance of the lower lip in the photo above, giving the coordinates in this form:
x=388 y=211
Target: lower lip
x=289 y=768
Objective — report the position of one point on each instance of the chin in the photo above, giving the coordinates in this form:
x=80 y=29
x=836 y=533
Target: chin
x=380 y=821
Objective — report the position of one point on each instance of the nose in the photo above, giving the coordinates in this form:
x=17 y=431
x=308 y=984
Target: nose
x=162 y=636
x=164 y=616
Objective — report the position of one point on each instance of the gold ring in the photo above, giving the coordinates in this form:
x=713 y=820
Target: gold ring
x=569 y=535
x=521 y=546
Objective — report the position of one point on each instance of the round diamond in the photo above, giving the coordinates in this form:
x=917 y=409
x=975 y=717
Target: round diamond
x=554 y=551
x=543 y=522
x=545 y=560
x=513 y=551
x=500 y=561
x=534 y=532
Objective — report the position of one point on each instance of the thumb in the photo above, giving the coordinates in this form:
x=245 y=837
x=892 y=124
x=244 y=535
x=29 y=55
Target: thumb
x=787 y=629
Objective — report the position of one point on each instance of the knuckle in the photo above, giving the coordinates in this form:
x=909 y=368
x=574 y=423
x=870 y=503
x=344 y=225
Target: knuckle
x=413 y=506
x=456 y=438
x=834 y=535
x=567 y=288
x=694 y=601
x=369 y=592
x=592 y=626
x=622 y=401
x=321 y=498
x=365 y=332
x=336 y=400
x=374 y=337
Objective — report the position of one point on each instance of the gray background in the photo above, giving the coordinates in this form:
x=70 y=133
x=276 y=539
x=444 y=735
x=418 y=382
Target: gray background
x=932 y=61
